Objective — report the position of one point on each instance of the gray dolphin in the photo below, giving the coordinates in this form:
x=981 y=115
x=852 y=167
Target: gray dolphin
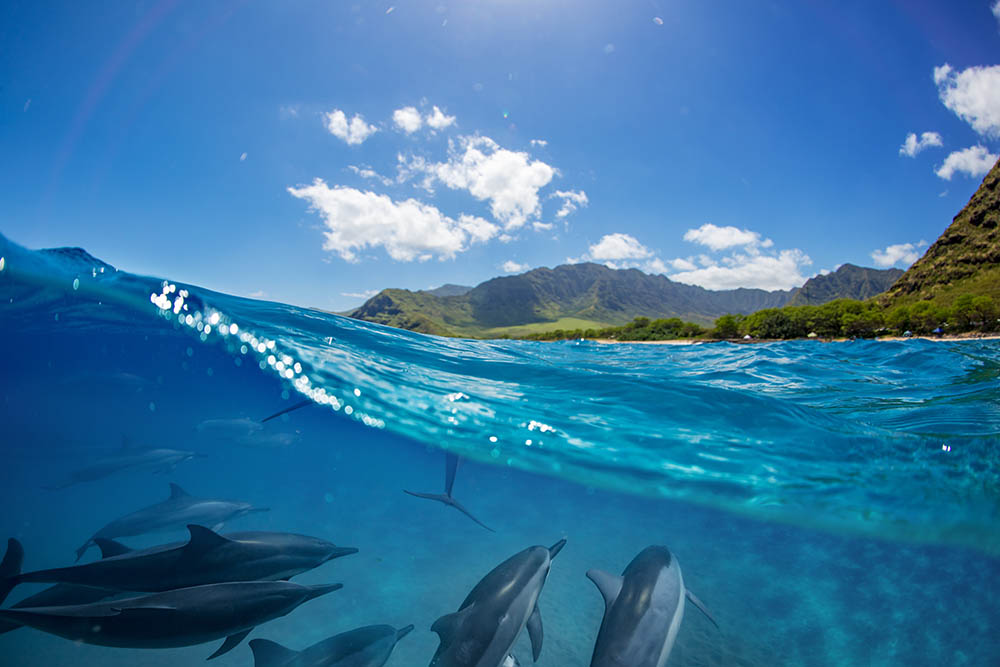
x=450 y=468
x=182 y=617
x=156 y=460
x=174 y=513
x=483 y=630
x=643 y=610
x=206 y=558
x=369 y=646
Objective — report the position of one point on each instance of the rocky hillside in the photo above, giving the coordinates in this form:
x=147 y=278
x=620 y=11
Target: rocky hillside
x=847 y=282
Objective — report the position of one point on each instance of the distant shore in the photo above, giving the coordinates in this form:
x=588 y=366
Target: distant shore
x=699 y=341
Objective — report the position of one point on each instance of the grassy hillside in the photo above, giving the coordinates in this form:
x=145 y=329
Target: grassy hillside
x=847 y=282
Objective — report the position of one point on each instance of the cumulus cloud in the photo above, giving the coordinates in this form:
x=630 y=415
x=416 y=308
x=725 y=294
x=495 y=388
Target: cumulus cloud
x=510 y=266
x=542 y=143
x=509 y=180
x=572 y=200
x=370 y=174
x=720 y=238
x=973 y=95
x=903 y=254
x=408 y=230
x=407 y=119
x=438 y=120
x=353 y=132
x=539 y=226
x=914 y=145
x=779 y=271
x=974 y=161
x=617 y=247
x=681 y=264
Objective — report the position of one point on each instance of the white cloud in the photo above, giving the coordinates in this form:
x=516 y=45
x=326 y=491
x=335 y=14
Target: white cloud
x=370 y=174
x=542 y=143
x=913 y=145
x=996 y=9
x=900 y=253
x=539 y=226
x=510 y=266
x=407 y=119
x=438 y=120
x=366 y=294
x=258 y=294
x=408 y=230
x=972 y=94
x=243 y=157
x=763 y=271
x=658 y=21
x=617 y=247
x=974 y=161
x=572 y=200
x=681 y=264
x=720 y=238
x=509 y=180
x=354 y=132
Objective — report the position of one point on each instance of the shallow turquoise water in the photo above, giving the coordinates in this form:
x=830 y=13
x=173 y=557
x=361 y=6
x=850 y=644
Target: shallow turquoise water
x=832 y=504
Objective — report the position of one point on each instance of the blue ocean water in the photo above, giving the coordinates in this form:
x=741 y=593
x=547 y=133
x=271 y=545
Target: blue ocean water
x=832 y=504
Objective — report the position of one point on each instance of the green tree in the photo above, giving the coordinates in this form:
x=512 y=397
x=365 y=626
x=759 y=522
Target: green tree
x=727 y=326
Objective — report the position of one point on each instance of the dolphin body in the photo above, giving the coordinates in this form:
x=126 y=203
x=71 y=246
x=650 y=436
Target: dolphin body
x=206 y=558
x=176 y=512
x=369 y=646
x=156 y=460
x=643 y=609
x=450 y=468
x=182 y=617
x=483 y=630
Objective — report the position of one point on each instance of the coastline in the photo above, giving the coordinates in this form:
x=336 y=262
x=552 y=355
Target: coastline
x=703 y=341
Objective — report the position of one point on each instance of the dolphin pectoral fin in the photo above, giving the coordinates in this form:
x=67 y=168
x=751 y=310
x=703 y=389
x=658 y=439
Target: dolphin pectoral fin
x=535 y=633
x=446 y=626
x=609 y=585
x=10 y=567
x=701 y=606
x=454 y=503
x=231 y=642
x=83 y=549
x=270 y=654
x=110 y=548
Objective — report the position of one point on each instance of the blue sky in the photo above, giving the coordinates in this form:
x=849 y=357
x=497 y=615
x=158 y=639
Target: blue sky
x=313 y=152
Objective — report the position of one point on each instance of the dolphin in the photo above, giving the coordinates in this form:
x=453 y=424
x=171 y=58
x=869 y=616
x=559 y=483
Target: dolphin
x=182 y=617
x=450 y=468
x=643 y=610
x=61 y=594
x=206 y=558
x=156 y=460
x=177 y=511
x=483 y=630
x=369 y=646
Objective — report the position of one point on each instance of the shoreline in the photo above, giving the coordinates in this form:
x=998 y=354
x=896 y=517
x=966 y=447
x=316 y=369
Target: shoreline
x=705 y=341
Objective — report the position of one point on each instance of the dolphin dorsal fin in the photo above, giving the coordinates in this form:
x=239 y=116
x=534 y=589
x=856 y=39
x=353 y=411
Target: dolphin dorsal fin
x=203 y=539
x=110 y=548
x=270 y=654
x=610 y=585
x=701 y=606
x=177 y=492
x=446 y=626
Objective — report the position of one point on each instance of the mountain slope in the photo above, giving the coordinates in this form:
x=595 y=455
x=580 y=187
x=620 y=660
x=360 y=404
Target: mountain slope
x=847 y=282
x=964 y=259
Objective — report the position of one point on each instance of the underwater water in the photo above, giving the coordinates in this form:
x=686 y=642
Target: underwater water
x=831 y=504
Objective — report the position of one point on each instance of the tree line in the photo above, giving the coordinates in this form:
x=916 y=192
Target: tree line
x=836 y=319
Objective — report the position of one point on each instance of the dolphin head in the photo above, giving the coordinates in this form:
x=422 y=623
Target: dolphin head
x=246 y=508
x=314 y=549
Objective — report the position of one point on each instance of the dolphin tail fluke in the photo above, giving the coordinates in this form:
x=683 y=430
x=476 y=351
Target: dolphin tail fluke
x=270 y=654
x=232 y=641
x=402 y=632
x=457 y=505
x=535 y=633
x=83 y=549
x=10 y=567
x=701 y=606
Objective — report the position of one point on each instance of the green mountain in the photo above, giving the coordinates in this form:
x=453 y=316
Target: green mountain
x=847 y=282
x=574 y=295
x=964 y=260
x=448 y=289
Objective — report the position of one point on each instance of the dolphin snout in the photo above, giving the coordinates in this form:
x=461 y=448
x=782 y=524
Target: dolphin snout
x=402 y=632
x=323 y=589
x=337 y=552
x=258 y=509
x=556 y=548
